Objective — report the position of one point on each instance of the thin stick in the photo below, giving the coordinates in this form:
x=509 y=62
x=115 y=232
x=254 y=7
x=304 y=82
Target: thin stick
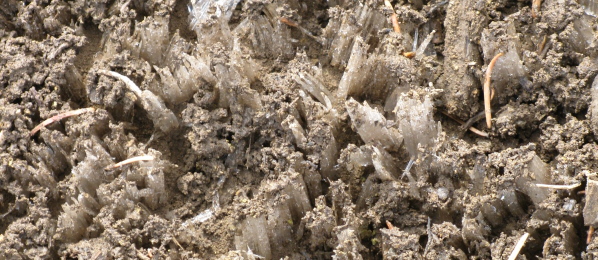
x=129 y=161
x=59 y=117
x=518 y=247
x=559 y=187
x=487 y=91
x=395 y=22
x=471 y=128
x=130 y=84
x=590 y=233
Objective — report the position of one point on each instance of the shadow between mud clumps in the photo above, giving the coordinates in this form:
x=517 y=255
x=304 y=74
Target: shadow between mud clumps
x=267 y=129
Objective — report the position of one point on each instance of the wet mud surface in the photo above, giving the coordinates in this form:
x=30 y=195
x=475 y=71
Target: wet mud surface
x=298 y=129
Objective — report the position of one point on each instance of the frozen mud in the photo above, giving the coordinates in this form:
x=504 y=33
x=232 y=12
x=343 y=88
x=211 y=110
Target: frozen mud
x=268 y=129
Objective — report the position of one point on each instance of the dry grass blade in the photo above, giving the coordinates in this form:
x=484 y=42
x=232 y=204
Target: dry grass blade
x=518 y=246
x=559 y=187
x=129 y=161
x=487 y=91
x=59 y=117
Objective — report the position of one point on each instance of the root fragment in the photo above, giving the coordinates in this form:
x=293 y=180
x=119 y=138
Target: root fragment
x=128 y=82
x=59 y=117
x=559 y=187
x=393 y=18
x=162 y=117
x=129 y=161
x=536 y=7
x=518 y=246
x=487 y=92
x=389 y=225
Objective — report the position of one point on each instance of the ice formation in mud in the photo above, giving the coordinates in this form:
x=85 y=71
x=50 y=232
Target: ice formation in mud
x=268 y=129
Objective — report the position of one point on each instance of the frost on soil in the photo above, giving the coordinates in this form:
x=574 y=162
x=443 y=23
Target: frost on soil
x=300 y=129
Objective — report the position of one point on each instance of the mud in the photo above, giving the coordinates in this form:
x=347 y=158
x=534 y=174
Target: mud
x=301 y=130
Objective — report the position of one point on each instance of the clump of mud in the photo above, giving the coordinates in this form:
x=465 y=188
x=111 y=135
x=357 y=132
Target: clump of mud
x=246 y=129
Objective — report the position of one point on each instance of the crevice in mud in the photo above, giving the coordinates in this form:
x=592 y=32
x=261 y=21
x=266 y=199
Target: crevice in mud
x=7 y=202
x=92 y=47
x=179 y=21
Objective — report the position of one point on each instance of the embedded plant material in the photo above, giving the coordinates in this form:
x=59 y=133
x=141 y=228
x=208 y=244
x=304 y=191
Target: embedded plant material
x=518 y=246
x=338 y=129
x=162 y=117
x=488 y=91
x=59 y=117
x=393 y=17
x=129 y=161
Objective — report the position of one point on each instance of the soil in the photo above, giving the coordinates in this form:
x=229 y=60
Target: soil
x=257 y=165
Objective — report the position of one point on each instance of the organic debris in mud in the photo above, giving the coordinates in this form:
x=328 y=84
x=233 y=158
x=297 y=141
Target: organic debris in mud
x=59 y=117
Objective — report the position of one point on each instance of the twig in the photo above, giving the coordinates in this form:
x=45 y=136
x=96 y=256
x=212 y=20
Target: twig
x=590 y=233
x=471 y=128
x=129 y=161
x=559 y=187
x=395 y=22
x=518 y=246
x=59 y=117
x=487 y=93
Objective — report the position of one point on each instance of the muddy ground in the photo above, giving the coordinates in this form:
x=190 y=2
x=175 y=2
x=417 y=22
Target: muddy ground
x=298 y=129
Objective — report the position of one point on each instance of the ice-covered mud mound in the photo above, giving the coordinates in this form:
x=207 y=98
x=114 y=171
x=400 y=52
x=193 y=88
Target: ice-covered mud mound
x=268 y=129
